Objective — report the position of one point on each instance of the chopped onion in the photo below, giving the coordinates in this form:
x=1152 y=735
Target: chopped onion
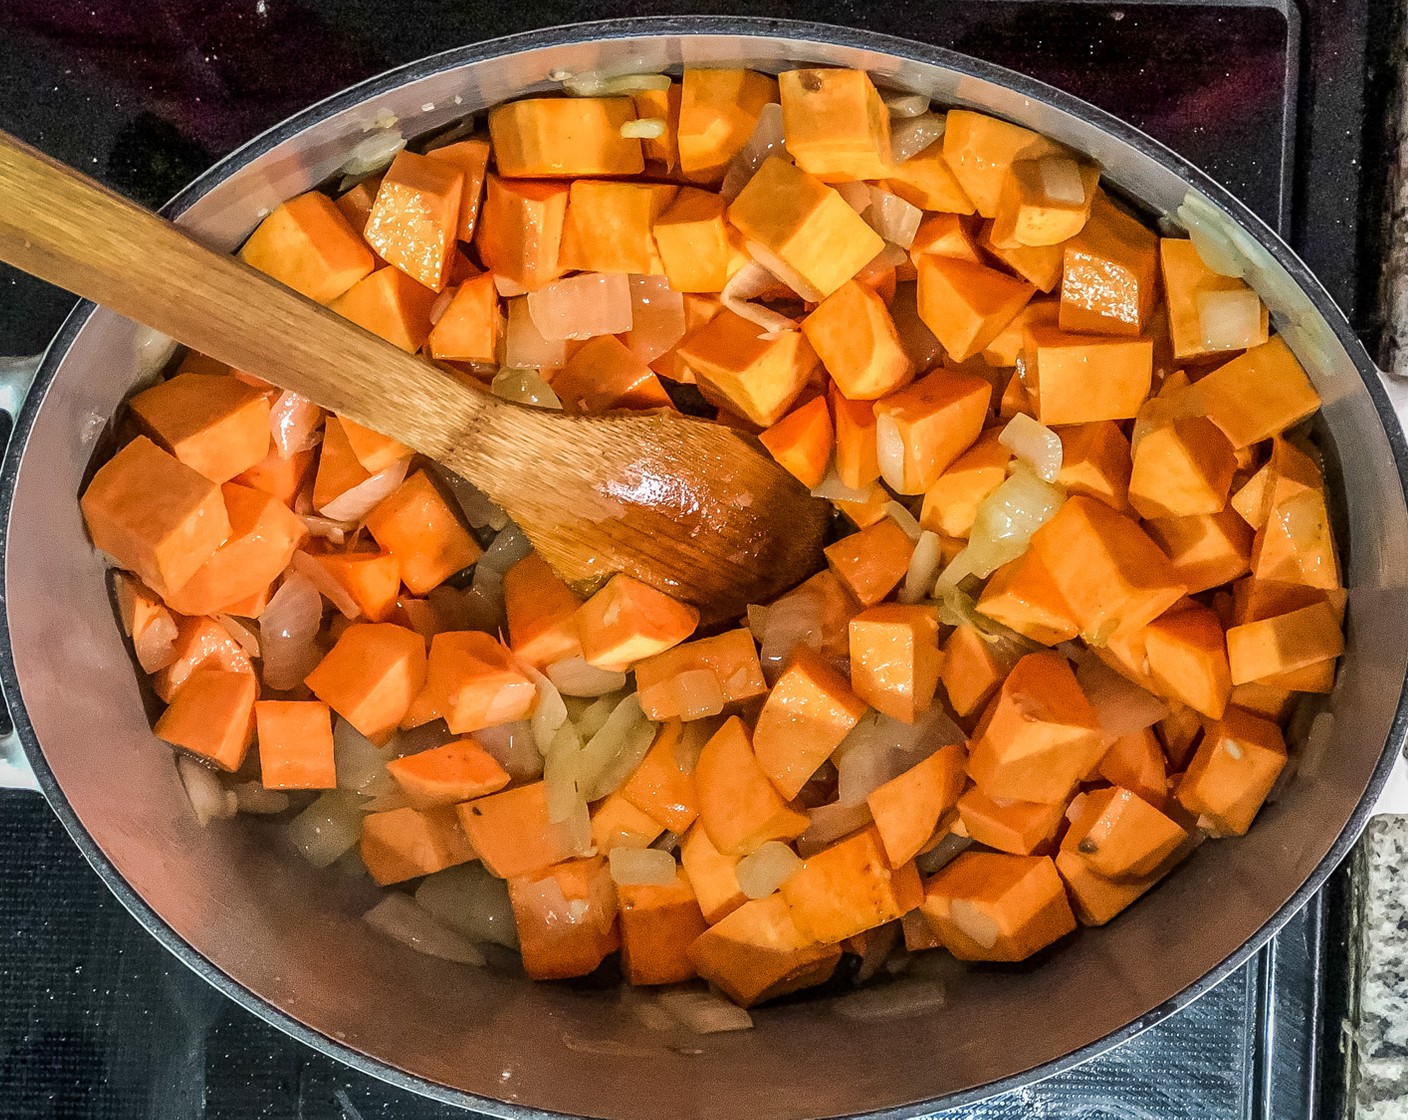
x=507 y=288
x=749 y=282
x=293 y=424
x=448 y=607
x=831 y=822
x=470 y=901
x=1121 y=706
x=611 y=754
x=414 y=740
x=244 y=635
x=582 y=306
x=328 y=828
x=210 y=800
x=769 y=866
x=1230 y=320
x=666 y=842
x=857 y=196
x=1035 y=444
x=399 y=918
x=355 y=504
x=288 y=631
x=900 y=1000
x=793 y=620
x=912 y=135
x=894 y=219
x=904 y=105
x=1061 y=180
x=514 y=747
x=478 y=510
x=865 y=761
x=325 y=528
x=156 y=645
x=704 y=1012
x=561 y=765
x=483 y=604
x=657 y=317
x=596 y=84
x=524 y=345
x=904 y=519
x=767 y=139
x=305 y=566
x=644 y=128
x=1004 y=524
x=588 y=718
x=374 y=152
x=574 y=677
x=923 y=570
x=254 y=798
x=890 y=452
x=943 y=853
x=507 y=549
x=691 y=742
x=834 y=490
x=973 y=923
x=549 y=713
x=360 y=764
x=641 y=867
x=524 y=386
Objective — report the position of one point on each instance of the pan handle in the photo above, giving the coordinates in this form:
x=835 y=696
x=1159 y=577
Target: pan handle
x=16 y=377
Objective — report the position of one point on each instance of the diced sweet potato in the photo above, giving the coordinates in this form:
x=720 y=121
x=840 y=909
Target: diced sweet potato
x=836 y=125
x=966 y=305
x=511 y=833
x=471 y=682
x=372 y=580
x=1121 y=835
x=732 y=657
x=371 y=676
x=757 y=953
x=927 y=181
x=566 y=918
x=1096 y=461
x=1258 y=394
x=541 y=611
x=308 y=245
x=295 y=744
x=970 y=671
x=1016 y=827
x=1106 y=568
x=374 y=451
x=1284 y=643
x=660 y=787
x=1187 y=657
x=468 y=329
x=1258 y=599
x=416 y=216
x=712 y=874
x=391 y=305
x=801 y=442
x=718 y=111
x=608 y=226
x=906 y=809
x=738 y=806
x=951 y=503
x=628 y=621
x=691 y=237
x=519 y=235
x=1039 y=737
x=1263 y=700
x=1180 y=731
x=865 y=512
x=849 y=887
x=944 y=235
x=146 y=621
x=1238 y=762
x=279 y=477
x=857 y=464
x=557 y=137
x=663 y=105
x=1109 y=273
x=981 y=150
x=155 y=515
x=212 y=715
x=201 y=643
x=418 y=527
x=1136 y=762
x=801 y=230
x=1044 y=201
x=1186 y=278
x=407 y=843
x=756 y=378
x=218 y=426
x=923 y=428
x=1296 y=545
x=616 y=823
x=872 y=562
x=805 y=717
x=1038 y=265
x=1076 y=379
x=604 y=374
x=339 y=469
x=1206 y=551
x=1095 y=898
x=852 y=332
x=446 y=775
x=991 y=906
x=1023 y=597
x=1182 y=469
x=658 y=925
x=895 y=658
x=355 y=203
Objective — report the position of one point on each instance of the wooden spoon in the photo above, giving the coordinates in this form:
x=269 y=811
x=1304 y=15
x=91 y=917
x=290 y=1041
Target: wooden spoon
x=693 y=508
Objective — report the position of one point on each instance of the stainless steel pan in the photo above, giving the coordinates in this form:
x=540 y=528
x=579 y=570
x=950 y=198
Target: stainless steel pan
x=237 y=907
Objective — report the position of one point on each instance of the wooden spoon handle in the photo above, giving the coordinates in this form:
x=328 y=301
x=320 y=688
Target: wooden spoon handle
x=65 y=228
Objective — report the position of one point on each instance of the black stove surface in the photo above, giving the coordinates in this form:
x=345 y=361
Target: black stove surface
x=1278 y=102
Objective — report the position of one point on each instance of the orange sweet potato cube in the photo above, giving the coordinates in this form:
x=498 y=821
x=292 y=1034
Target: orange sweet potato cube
x=1109 y=273
x=848 y=888
x=1296 y=545
x=837 y=127
x=660 y=787
x=1239 y=760
x=557 y=137
x=1094 y=897
x=628 y=621
x=756 y=378
x=757 y=953
x=1016 y=827
x=154 y=515
x=279 y=477
x=469 y=327
x=1186 y=278
x=907 y=808
x=511 y=833
x=718 y=111
x=608 y=227
x=712 y=875
x=1023 y=597
x=970 y=672
x=691 y=237
x=991 y=906
x=418 y=527
x=1257 y=394
x=541 y=611
x=566 y=918
x=895 y=658
x=801 y=442
x=295 y=744
x=390 y=305
x=738 y=806
x=981 y=150
x=212 y=715
x=853 y=334
x=146 y=621
x=447 y=775
x=923 y=428
x=865 y=512
x=308 y=245
x=805 y=717
x=872 y=562
x=1206 y=551
x=1136 y=762
x=1121 y=835
x=951 y=503
x=944 y=235
x=662 y=105
x=732 y=657
x=201 y=643
x=1096 y=461
x=339 y=469
x=471 y=159
x=374 y=451
x=1106 y=568
x=519 y=234
x=371 y=676
x=1038 y=265
x=1039 y=737
x=355 y=203
x=658 y=925
x=801 y=230
x=927 y=181
x=967 y=305
x=415 y=219
x=1076 y=379
x=604 y=374
x=1256 y=599
x=1284 y=643
x=616 y=823
x=218 y=426
x=1045 y=201
x=372 y=580
x=857 y=464
x=1187 y=656
x=407 y=843
x=471 y=682
x=1182 y=469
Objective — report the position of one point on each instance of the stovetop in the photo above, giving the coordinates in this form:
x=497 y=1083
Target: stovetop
x=1276 y=100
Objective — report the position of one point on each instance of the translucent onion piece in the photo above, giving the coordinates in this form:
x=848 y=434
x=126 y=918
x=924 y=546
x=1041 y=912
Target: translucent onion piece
x=923 y=569
x=691 y=742
x=210 y=800
x=889 y=450
x=328 y=828
x=757 y=621
x=374 y=152
x=254 y=798
x=1229 y=320
x=657 y=317
x=973 y=923
x=894 y=219
x=549 y=713
x=470 y=901
x=514 y=747
x=325 y=528
x=903 y=999
x=305 y=566
x=593 y=83
x=793 y=620
x=831 y=822
x=1035 y=444
x=560 y=774
x=355 y=504
x=943 y=853
x=704 y=1012
x=912 y=135
x=641 y=867
x=1061 y=180
x=834 y=490
x=877 y=950
x=646 y=128
x=746 y=284
x=582 y=306
x=293 y=424
x=1004 y=524
x=399 y=918
x=767 y=139
x=1121 y=706
x=574 y=677
x=478 y=510
x=483 y=603
x=857 y=196
x=769 y=866
x=426 y=737
x=244 y=635
x=507 y=288
x=360 y=764
x=524 y=386
x=904 y=519
x=589 y=718
x=506 y=550
x=613 y=752
x=905 y=105
x=288 y=631
x=156 y=645
x=524 y=345
x=866 y=760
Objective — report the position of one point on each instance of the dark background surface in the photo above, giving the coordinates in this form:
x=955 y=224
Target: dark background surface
x=1281 y=104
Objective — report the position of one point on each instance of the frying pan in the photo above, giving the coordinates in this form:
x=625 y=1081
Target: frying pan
x=287 y=943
